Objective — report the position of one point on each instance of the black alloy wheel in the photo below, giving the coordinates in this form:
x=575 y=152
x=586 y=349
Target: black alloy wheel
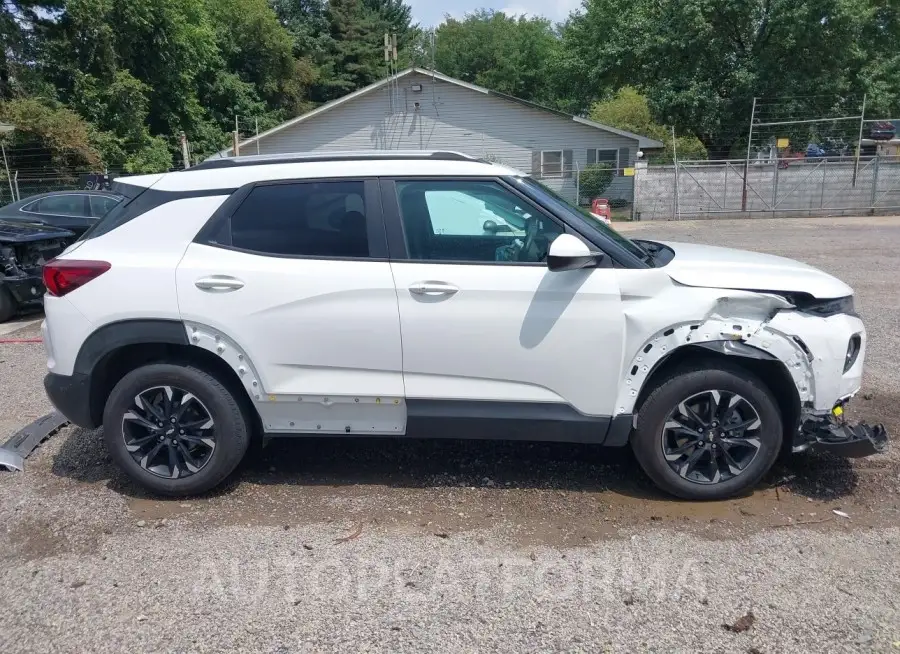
x=711 y=436
x=169 y=432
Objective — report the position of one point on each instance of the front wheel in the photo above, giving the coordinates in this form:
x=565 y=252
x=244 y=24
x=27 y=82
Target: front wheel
x=708 y=434
x=176 y=430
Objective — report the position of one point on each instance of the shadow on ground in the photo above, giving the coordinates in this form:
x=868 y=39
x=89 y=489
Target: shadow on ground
x=422 y=463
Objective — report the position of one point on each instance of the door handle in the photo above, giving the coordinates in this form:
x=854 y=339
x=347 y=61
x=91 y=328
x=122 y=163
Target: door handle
x=219 y=284
x=433 y=288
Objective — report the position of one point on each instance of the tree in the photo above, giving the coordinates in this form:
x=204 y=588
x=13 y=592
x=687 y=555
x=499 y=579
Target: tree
x=53 y=135
x=19 y=23
x=629 y=110
x=595 y=179
x=356 y=58
x=700 y=62
x=503 y=53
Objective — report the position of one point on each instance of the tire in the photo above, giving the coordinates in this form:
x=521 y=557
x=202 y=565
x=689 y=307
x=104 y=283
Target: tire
x=215 y=448
x=8 y=304
x=722 y=463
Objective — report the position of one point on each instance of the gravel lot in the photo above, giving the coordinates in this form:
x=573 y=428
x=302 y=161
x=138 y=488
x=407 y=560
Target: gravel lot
x=380 y=545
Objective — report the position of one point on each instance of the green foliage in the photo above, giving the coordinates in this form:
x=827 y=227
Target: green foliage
x=595 y=179
x=503 y=53
x=629 y=110
x=701 y=62
x=55 y=134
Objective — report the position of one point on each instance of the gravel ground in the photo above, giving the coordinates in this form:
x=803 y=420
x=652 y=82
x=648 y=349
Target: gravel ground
x=381 y=545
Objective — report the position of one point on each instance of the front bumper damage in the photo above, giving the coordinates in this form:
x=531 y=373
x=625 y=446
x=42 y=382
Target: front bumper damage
x=833 y=433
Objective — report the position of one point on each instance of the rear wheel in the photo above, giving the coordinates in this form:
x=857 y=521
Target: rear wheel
x=708 y=434
x=175 y=430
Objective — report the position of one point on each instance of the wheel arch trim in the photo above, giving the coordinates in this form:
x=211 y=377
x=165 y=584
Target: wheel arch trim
x=739 y=337
x=115 y=335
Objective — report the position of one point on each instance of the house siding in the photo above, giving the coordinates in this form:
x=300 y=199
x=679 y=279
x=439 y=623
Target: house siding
x=452 y=117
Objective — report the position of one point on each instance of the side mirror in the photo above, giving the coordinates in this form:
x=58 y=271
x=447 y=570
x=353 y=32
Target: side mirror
x=569 y=252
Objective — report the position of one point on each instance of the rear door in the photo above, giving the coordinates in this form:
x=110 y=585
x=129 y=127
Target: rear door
x=295 y=275
x=487 y=329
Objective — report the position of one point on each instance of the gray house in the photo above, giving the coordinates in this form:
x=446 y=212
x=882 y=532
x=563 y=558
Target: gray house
x=420 y=109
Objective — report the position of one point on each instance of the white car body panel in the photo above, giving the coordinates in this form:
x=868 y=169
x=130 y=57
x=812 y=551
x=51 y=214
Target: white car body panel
x=512 y=333
x=702 y=265
x=309 y=326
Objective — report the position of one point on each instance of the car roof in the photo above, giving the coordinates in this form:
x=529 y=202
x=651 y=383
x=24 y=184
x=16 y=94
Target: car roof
x=233 y=172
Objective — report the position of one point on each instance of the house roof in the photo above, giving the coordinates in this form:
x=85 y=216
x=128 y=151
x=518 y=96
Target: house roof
x=643 y=141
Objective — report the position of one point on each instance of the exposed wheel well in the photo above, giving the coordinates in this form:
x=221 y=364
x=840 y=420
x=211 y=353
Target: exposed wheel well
x=772 y=372
x=113 y=366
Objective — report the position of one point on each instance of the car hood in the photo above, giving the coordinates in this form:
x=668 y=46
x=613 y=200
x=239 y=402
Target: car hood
x=711 y=266
x=22 y=232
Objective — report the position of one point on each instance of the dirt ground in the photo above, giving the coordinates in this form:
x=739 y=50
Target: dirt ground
x=383 y=498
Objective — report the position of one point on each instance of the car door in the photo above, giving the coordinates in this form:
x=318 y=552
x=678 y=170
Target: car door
x=485 y=326
x=295 y=275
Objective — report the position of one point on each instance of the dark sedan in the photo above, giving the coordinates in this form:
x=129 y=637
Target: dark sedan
x=75 y=211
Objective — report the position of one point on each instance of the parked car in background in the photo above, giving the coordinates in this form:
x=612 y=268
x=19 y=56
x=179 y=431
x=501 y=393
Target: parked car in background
x=75 y=211
x=883 y=130
x=24 y=249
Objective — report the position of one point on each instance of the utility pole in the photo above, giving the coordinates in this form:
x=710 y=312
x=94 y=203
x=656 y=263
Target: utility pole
x=236 y=144
x=237 y=135
x=185 y=155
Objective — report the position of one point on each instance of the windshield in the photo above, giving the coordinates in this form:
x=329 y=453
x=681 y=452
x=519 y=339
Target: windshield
x=551 y=196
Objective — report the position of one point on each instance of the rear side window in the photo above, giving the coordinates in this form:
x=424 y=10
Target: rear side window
x=60 y=205
x=317 y=219
x=102 y=204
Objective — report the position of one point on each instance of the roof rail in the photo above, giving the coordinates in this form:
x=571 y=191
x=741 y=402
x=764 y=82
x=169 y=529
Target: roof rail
x=309 y=157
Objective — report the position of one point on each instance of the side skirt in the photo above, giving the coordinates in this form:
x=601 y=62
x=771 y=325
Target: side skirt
x=525 y=421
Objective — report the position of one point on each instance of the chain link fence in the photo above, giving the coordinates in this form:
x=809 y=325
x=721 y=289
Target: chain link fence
x=19 y=187
x=576 y=186
x=774 y=187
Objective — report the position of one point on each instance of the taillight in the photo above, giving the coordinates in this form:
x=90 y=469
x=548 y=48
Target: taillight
x=63 y=276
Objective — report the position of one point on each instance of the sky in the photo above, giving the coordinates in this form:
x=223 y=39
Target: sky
x=431 y=12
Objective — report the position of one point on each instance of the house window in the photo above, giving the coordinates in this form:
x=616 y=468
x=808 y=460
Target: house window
x=603 y=156
x=551 y=163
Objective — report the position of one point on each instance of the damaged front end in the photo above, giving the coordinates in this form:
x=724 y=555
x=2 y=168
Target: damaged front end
x=833 y=433
x=24 y=249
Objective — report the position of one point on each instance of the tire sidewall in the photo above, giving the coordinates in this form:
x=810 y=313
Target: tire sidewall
x=647 y=439
x=232 y=434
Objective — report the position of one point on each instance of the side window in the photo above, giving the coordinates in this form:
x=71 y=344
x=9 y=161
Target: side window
x=102 y=204
x=472 y=221
x=322 y=219
x=68 y=204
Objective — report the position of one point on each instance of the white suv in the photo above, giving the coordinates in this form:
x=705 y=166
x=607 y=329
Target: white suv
x=312 y=294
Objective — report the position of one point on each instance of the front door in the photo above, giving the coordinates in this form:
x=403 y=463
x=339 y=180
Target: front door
x=485 y=325
x=296 y=281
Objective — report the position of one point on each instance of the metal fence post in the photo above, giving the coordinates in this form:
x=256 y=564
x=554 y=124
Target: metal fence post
x=824 y=177
x=875 y=169
x=16 y=182
x=675 y=160
x=862 y=122
x=775 y=183
x=747 y=160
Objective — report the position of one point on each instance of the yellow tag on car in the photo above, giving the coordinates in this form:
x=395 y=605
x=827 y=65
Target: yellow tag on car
x=838 y=411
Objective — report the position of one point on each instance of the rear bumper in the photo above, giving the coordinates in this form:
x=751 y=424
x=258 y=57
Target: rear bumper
x=72 y=396
x=835 y=435
x=25 y=289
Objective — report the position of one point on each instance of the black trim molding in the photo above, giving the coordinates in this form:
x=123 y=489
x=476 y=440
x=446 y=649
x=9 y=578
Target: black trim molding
x=488 y=420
